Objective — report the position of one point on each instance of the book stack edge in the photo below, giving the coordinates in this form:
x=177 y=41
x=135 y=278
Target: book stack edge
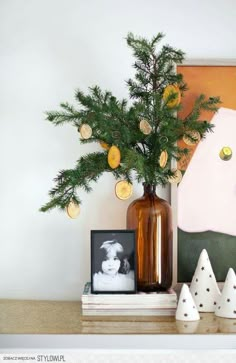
x=139 y=304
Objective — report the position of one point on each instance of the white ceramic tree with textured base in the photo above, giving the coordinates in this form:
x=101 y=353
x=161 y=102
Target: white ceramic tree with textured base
x=186 y=309
x=204 y=288
x=226 y=307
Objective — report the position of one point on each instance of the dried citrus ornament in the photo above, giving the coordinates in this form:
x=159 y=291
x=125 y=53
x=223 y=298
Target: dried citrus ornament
x=73 y=210
x=114 y=157
x=195 y=135
x=176 y=178
x=145 y=127
x=85 y=131
x=123 y=189
x=163 y=159
x=172 y=89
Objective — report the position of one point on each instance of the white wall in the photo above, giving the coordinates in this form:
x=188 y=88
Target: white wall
x=48 y=49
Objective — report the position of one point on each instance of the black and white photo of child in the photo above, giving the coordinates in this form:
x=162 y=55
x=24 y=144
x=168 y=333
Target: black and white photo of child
x=113 y=266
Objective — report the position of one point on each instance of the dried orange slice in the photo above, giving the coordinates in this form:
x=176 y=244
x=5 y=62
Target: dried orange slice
x=171 y=89
x=123 y=189
x=145 y=127
x=163 y=159
x=104 y=145
x=195 y=135
x=114 y=157
x=85 y=131
x=73 y=210
x=176 y=178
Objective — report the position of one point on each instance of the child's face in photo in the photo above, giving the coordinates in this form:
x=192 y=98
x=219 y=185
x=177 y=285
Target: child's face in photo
x=111 y=265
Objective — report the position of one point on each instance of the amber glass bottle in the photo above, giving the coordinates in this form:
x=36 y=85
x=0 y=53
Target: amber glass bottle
x=151 y=217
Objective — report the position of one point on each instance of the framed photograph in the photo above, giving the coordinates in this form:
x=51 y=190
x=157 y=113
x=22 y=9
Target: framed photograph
x=204 y=203
x=113 y=262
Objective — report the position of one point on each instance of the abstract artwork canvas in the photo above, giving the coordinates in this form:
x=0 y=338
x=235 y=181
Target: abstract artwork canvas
x=206 y=197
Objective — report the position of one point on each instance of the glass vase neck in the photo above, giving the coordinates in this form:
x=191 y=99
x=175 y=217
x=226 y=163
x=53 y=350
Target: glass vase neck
x=149 y=188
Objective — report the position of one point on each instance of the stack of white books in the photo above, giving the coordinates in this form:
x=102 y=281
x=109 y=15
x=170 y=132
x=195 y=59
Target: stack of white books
x=139 y=304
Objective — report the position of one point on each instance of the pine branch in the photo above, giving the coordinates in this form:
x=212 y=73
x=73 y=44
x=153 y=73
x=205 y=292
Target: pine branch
x=117 y=122
x=59 y=118
x=88 y=169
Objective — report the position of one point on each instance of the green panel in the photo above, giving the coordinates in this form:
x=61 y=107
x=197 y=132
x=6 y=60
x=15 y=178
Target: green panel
x=220 y=247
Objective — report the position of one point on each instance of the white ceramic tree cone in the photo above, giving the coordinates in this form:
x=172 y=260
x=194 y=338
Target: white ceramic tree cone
x=226 y=307
x=186 y=309
x=204 y=288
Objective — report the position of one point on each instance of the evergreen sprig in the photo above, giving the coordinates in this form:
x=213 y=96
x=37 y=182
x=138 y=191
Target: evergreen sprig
x=116 y=122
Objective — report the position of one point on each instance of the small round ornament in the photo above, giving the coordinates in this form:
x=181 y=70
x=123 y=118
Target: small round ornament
x=123 y=189
x=226 y=153
x=73 y=210
x=195 y=135
x=145 y=127
x=85 y=131
x=163 y=159
x=104 y=145
x=114 y=157
x=176 y=178
x=172 y=89
x=163 y=140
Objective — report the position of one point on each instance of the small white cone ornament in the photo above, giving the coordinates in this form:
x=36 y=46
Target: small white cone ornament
x=204 y=288
x=186 y=309
x=226 y=307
